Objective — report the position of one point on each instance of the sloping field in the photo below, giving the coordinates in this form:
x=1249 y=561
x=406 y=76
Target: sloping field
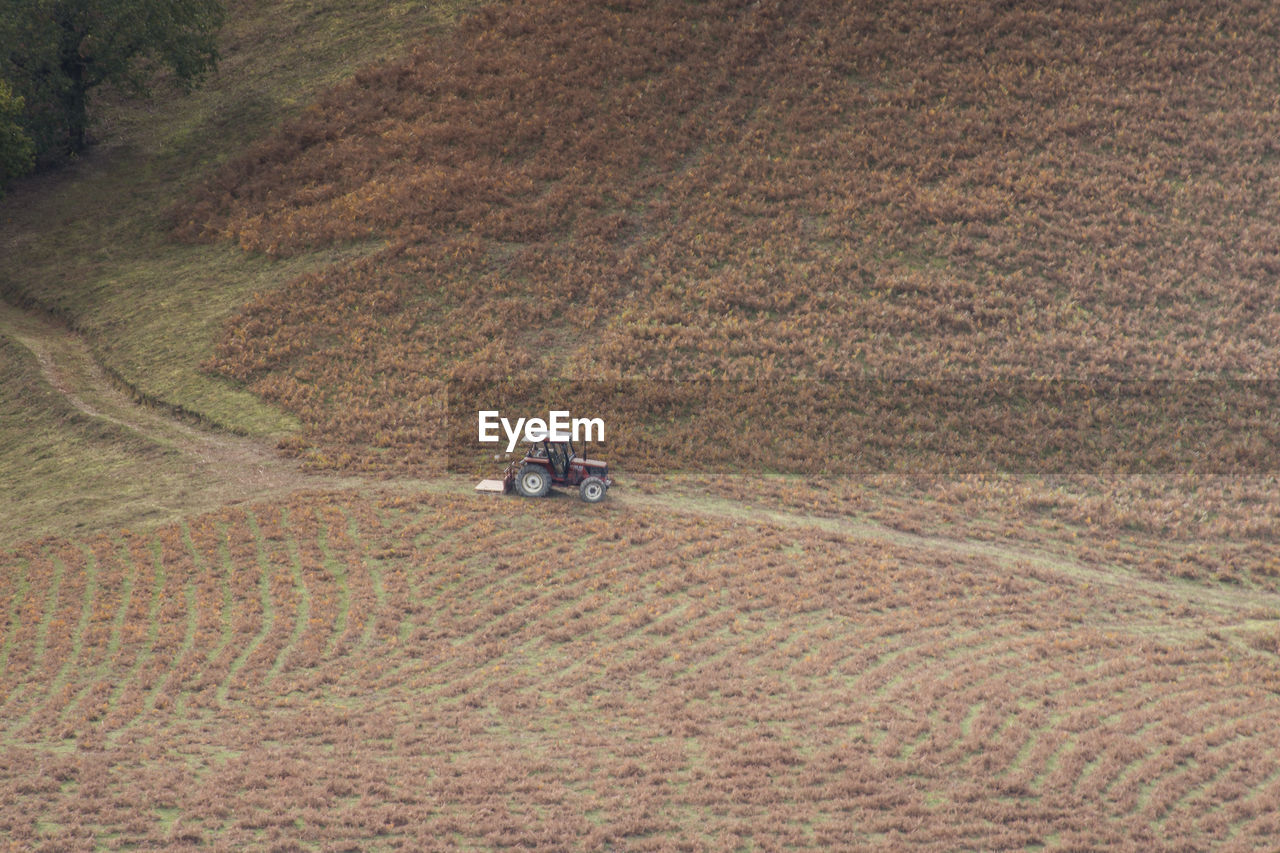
x=336 y=670
x=744 y=215
x=766 y=191
x=79 y=454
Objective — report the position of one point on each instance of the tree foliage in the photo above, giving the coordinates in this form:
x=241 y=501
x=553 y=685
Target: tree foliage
x=55 y=52
x=17 y=153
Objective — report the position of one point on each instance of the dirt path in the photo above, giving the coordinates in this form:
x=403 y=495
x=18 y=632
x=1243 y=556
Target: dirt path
x=1232 y=601
x=231 y=468
x=222 y=466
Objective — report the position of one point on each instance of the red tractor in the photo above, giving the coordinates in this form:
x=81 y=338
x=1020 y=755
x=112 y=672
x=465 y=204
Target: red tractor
x=556 y=463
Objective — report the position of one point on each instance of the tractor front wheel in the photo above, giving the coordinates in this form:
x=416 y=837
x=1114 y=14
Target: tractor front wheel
x=533 y=481
x=592 y=490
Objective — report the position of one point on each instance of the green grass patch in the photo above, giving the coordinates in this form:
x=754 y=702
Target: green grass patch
x=65 y=471
x=167 y=817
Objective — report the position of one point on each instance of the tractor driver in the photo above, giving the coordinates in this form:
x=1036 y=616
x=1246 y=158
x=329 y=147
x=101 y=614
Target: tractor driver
x=559 y=459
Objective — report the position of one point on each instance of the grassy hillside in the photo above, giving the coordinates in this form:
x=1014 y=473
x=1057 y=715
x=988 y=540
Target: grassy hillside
x=651 y=674
x=79 y=454
x=93 y=464
x=734 y=220
x=90 y=242
x=762 y=192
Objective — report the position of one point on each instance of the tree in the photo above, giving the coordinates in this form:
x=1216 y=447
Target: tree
x=54 y=52
x=17 y=153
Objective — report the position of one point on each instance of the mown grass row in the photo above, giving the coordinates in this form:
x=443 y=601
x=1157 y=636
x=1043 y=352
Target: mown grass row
x=351 y=670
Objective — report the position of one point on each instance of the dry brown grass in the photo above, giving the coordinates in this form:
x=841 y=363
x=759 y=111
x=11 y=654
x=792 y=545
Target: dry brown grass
x=337 y=670
x=770 y=191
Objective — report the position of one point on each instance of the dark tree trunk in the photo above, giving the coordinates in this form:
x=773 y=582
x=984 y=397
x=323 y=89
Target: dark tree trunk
x=77 y=113
x=75 y=99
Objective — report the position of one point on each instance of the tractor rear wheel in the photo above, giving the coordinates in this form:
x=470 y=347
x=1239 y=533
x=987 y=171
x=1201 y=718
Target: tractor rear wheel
x=533 y=481
x=592 y=490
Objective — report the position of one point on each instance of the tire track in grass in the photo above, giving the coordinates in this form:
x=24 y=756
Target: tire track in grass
x=40 y=646
x=268 y=610
x=1268 y=790
x=59 y=679
x=374 y=568
x=147 y=653
x=226 y=611
x=114 y=642
x=222 y=467
x=1219 y=599
x=303 y=616
x=18 y=592
x=339 y=573
x=190 y=597
x=1165 y=762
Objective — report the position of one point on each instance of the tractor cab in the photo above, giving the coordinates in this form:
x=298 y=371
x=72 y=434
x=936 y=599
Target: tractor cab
x=559 y=455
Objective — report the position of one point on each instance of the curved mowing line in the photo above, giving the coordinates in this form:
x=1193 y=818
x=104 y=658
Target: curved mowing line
x=923 y=659
x=77 y=639
x=375 y=577
x=21 y=588
x=1015 y=648
x=472 y=573
x=303 y=617
x=268 y=610
x=224 y=582
x=153 y=631
x=1145 y=790
x=1198 y=791
x=1147 y=757
x=188 y=643
x=1183 y=779
x=994 y=653
x=115 y=641
x=724 y=642
x=1034 y=737
x=410 y=573
x=997 y=669
x=1071 y=738
x=42 y=630
x=1018 y=693
x=339 y=572
x=619 y=648
x=1109 y=704
x=1259 y=791
x=408 y=621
